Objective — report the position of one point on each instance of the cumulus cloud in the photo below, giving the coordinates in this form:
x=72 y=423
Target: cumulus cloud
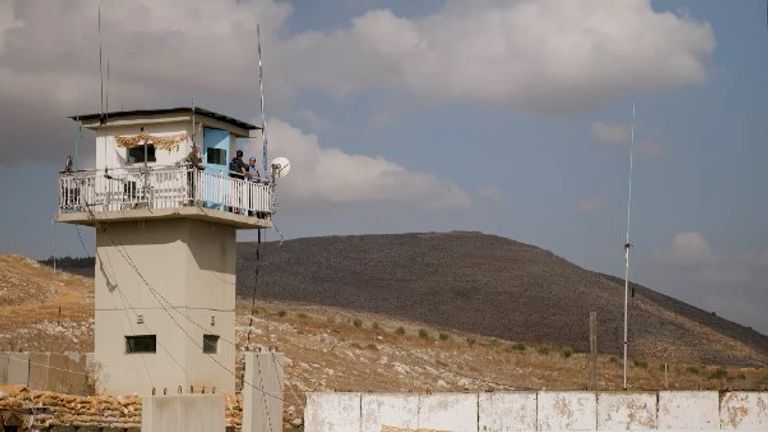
x=534 y=55
x=544 y=54
x=330 y=176
x=590 y=204
x=619 y=134
x=688 y=249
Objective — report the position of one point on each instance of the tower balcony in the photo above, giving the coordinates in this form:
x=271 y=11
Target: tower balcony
x=91 y=197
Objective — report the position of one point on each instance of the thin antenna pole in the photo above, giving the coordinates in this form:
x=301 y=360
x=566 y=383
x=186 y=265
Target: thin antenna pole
x=627 y=244
x=193 y=122
x=101 y=68
x=106 y=96
x=264 y=142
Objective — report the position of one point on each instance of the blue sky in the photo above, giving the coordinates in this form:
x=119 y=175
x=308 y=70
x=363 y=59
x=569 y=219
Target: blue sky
x=443 y=116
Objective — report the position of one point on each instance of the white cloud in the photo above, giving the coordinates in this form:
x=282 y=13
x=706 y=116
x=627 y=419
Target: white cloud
x=619 y=134
x=544 y=54
x=688 y=249
x=330 y=176
x=535 y=55
x=590 y=204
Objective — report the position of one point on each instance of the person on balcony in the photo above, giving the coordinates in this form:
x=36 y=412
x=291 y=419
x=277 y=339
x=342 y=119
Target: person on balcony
x=193 y=161
x=253 y=171
x=238 y=168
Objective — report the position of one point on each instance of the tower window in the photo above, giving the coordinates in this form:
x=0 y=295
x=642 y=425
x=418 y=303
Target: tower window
x=136 y=154
x=141 y=344
x=216 y=156
x=210 y=344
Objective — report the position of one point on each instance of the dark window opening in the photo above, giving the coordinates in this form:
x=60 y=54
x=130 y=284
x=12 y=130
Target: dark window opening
x=136 y=154
x=141 y=344
x=210 y=344
x=216 y=156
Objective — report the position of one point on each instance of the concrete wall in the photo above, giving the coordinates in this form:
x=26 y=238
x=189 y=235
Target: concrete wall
x=63 y=373
x=263 y=392
x=190 y=266
x=539 y=411
x=182 y=413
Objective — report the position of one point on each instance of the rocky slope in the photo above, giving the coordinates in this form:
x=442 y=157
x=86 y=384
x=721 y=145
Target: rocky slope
x=491 y=286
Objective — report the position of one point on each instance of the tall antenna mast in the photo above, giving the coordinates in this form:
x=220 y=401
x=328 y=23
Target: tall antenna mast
x=106 y=96
x=264 y=142
x=101 y=67
x=627 y=244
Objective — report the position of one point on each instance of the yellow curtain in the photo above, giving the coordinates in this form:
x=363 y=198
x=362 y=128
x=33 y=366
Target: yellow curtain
x=166 y=142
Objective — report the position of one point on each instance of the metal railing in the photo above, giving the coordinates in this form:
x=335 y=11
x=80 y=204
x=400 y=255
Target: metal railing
x=162 y=188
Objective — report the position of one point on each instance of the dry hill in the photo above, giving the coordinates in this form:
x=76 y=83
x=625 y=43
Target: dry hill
x=491 y=286
x=329 y=348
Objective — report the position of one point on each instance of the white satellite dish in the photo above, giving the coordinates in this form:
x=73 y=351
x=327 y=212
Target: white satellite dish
x=281 y=166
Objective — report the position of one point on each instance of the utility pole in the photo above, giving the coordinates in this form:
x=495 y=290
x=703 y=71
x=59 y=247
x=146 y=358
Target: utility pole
x=593 y=351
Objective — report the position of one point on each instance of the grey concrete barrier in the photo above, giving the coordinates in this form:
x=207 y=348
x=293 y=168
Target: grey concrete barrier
x=183 y=413
x=539 y=411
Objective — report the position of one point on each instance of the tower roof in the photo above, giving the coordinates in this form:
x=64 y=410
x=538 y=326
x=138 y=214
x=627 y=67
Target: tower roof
x=94 y=120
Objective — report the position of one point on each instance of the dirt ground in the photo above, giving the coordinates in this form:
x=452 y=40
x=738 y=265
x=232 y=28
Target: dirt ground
x=333 y=349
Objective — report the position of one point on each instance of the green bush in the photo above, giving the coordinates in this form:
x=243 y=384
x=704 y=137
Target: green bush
x=470 y=341
x=642 y=364
x=375 y=326
x=423 y=334
x=302 y=315
x=719 y=373
x=517 y=346
x=494 y=342
x=281 y=313
x=400 y=331
x=543 y=350
x=357 y=323
x=692 y=370
x=741 y=376
x=444 y=337
x=566 y=353
x=614 y=360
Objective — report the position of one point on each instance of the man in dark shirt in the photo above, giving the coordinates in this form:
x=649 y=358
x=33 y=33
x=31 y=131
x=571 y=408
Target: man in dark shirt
x=238 y=168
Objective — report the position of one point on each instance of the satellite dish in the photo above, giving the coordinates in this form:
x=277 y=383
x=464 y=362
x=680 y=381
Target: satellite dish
x=281 y=166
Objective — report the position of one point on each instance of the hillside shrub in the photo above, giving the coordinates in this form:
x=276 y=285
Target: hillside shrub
x=357 y=323
x=356 y=345
x=642 y=364
x=302 y=315
x=372 y=347
x=375 y=326
x=543 y=350
x=281 y=313
x=692 y=370
x=444 y=337
x=470 y=341
x=614 y=360
x=400 y=331
x=566 y=353
x=423 y=334
x=719 y=373
x=741 y=376
x=517 y=346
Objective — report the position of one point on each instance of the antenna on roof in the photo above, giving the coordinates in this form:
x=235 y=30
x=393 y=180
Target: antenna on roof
x=101 y=68
x=106 y=112
x=264 y=142
x=627 y=244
